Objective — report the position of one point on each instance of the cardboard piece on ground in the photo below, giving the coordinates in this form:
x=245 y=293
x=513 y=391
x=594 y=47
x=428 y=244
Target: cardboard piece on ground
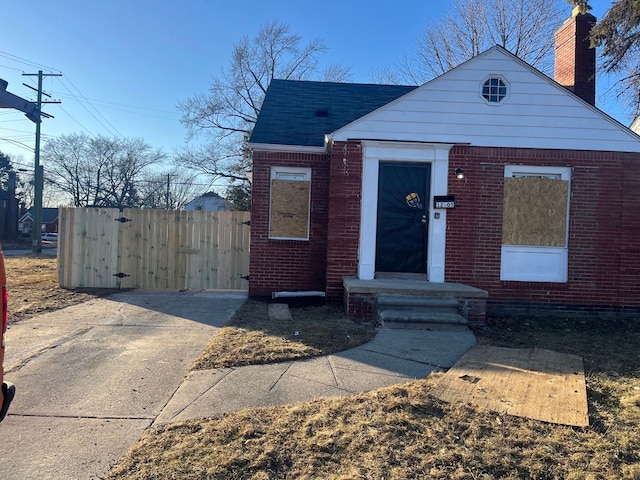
x=525 y=382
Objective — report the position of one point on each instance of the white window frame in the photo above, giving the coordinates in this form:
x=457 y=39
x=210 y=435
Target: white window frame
x=503 y=99
x=298 y=174
x=537 y=264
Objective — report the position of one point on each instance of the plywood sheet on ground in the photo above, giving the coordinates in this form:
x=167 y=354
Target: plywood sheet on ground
x=524 y=382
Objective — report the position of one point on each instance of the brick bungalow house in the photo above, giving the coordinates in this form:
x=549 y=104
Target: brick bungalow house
x=492 y=181
x=49 y=221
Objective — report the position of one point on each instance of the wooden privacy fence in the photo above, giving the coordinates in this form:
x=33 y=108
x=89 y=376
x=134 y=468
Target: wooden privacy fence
x=153 y=249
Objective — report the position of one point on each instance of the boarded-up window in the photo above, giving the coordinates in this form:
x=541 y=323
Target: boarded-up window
x=535 y=211
x=290 y=200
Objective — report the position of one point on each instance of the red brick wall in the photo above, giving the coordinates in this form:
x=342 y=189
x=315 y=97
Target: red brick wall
x=604 y=230
x=629 y=252
x=288 y=265
x=604 y=235
x=344 y=215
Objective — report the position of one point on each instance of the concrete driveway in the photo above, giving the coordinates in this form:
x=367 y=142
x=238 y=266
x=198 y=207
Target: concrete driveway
x=78 y=369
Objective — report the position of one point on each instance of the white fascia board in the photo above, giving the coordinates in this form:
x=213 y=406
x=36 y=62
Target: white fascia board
x=270 y=147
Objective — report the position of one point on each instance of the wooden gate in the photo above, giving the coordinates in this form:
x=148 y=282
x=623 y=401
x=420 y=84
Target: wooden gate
x=153 y=249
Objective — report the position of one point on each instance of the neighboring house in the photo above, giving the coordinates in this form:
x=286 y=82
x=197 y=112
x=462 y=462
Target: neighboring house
x=635 y=125
x=49 y=221
x=492 y=175
x=210 y=201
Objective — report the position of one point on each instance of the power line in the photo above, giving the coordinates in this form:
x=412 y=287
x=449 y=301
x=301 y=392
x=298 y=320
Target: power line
x=17 y=144
x=11 y=68
x=14 y=130
x=108 y=104
x=25 y=135
x=15 y=58
x=89 y=103
x=22 y=165
x=78 y=122
x=106 y=124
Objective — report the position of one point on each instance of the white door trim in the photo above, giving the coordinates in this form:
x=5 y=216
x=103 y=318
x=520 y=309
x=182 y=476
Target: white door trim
x=374 y=152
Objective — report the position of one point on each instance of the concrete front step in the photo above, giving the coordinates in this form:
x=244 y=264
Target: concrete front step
x=362 y=297
x=420 y=316
x=419 y=312
x=447 y=327
x=402 y=302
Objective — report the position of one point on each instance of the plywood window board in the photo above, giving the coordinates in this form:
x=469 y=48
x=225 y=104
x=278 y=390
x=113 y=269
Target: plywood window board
x=535 y=212
x=289 y=218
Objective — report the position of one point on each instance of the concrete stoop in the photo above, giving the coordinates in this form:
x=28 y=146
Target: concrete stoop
x=421 y=313
x=366 y=299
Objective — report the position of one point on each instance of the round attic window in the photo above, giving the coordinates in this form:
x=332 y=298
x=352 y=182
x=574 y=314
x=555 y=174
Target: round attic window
x=494 y=90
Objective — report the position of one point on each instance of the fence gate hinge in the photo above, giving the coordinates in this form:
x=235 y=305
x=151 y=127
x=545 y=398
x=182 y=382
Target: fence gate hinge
x=121 y=275
x=248 y=222
x=245 y=277
x=123 y=220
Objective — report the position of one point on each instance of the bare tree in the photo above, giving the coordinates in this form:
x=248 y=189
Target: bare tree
x=524 y=27
x=122 y=176
x=171 y=189
x=98 y=171
x=68 y=168
x=6 y=169
x=227 y=112
x=24 y=189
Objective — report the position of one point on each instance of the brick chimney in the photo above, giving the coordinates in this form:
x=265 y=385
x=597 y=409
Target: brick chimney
x=575 y=65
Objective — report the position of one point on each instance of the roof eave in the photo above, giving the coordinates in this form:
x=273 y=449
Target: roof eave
x=273 y=147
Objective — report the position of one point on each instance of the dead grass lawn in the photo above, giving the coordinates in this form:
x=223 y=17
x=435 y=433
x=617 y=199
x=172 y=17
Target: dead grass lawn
x=404 y=433
x=33 y=287
x=252 y=338
x=394 y=433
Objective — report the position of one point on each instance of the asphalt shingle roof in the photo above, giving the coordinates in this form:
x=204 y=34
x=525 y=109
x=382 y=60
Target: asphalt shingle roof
x=301 y=112
x=49 y=215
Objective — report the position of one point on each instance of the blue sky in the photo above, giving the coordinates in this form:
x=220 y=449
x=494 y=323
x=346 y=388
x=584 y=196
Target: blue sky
x=126 y=64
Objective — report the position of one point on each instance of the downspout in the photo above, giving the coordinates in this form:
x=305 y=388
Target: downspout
x=309 y=293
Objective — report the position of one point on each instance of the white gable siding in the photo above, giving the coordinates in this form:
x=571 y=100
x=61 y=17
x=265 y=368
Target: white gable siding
x=209 y=204
x=537 y=113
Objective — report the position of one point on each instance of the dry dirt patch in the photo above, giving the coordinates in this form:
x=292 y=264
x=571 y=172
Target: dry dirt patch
x=33 y=287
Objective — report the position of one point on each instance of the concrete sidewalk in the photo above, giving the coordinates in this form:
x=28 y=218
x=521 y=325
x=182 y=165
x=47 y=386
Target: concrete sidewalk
x=394 y=356
x=92 y=377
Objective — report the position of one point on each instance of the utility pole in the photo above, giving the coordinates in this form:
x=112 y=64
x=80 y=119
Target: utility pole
x=168 y=190
x=36 y=241
x=167 y=195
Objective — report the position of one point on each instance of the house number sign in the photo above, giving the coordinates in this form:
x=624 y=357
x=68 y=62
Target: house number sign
x=444 y=201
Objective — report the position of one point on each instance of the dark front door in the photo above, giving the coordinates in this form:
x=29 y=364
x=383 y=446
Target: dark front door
x=403 y=213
